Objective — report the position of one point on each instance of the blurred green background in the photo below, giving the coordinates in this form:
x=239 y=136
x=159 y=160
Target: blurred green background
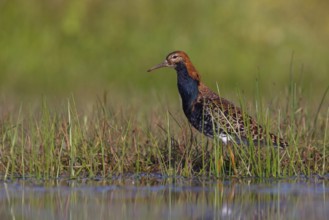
x=86 y=47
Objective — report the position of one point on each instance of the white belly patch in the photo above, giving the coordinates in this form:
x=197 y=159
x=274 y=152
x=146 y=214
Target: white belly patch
x=225 y=138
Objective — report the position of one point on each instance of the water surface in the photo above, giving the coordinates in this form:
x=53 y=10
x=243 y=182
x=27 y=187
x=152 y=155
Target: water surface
x=157 y=197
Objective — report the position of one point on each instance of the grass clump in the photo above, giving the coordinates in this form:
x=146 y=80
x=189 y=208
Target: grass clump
x=46 y=142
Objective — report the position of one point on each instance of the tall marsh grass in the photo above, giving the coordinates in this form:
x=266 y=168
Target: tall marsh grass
x=49 y=142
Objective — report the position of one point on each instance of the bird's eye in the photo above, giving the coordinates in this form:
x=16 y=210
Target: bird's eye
x=174 y=57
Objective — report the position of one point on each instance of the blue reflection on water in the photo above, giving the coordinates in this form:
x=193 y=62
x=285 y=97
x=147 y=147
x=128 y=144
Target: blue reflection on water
x=156 y=197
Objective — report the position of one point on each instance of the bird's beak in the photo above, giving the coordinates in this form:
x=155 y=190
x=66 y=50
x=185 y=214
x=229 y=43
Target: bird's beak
x=163 y=64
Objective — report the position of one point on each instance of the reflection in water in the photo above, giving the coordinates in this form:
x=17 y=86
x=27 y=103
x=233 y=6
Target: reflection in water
x=154 y=197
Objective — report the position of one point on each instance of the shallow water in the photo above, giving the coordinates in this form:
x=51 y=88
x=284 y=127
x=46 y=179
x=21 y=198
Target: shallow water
x=156 y=197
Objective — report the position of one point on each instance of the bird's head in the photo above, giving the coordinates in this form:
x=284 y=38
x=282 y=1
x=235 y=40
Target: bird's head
x=178 y=58
x=172 y=60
